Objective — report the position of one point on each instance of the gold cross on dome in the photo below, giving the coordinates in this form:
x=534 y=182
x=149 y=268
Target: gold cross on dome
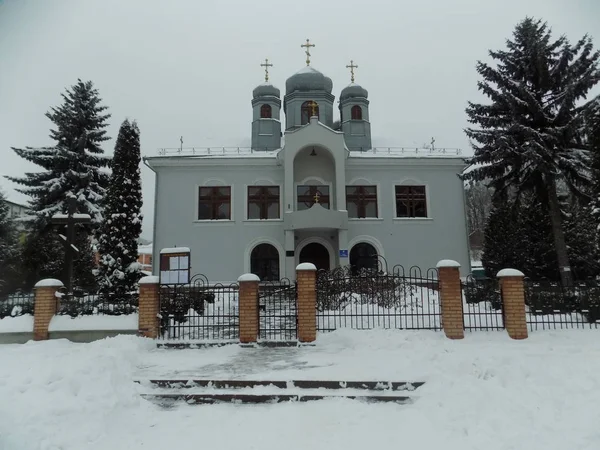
x=352 y=66
x=266 y=65
x=313 y=108
x=308 y=45
x=317 y=196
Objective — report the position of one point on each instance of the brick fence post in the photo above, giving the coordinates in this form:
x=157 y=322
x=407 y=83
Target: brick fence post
x=513 y=302
x=451 y=299
x=45 y=306
x=306 y=275
x=148 y=310
x=248 y=304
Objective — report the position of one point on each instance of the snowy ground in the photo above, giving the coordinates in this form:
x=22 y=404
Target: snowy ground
x=485 y=392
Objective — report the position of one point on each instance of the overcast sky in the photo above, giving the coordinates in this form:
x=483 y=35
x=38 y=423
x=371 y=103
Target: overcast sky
x=188 y=67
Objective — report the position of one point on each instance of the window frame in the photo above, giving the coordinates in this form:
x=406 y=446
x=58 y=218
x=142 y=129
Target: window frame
x=266 y=107
x=325 y=185
x=199 y=198
x=263 y=186
x=304 y=107
x=352 y=112
x=278 y=260
x=363 y=206
x=425 y=198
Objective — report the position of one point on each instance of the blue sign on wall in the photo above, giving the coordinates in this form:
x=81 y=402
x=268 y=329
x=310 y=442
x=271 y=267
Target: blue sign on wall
x=343 y=253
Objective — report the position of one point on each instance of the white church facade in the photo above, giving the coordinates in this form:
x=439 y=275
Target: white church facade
x=317 y=192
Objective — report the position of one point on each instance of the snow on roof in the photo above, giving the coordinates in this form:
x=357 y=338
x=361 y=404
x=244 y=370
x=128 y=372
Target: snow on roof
x=175 y=250
x=510 y=273
x=145 y=249
x=308 y=69
x=219 y=152
x=405 y=152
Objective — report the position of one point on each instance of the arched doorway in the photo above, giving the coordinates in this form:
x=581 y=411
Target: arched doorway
x=264 y=262
x=363 y=256
x=317 y=254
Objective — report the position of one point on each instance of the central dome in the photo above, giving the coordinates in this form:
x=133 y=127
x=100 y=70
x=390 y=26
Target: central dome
x=308 y=79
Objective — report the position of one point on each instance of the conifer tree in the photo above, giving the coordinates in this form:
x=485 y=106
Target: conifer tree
x=9 y=249
x=528 y=136
x=71 y=167
x=592 y=133
x=119 y=271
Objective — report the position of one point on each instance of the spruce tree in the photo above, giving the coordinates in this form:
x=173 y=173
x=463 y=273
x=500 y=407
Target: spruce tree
x=9 y=250
x=71 y=167
x=528 y=136
x=119 y=271
x=592 y=133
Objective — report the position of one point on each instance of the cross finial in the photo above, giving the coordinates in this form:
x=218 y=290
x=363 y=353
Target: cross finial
x=308 y=45
x=266 y=65
x=432 y=143
x=317 y=196
x=352 y=66
x=313 y=108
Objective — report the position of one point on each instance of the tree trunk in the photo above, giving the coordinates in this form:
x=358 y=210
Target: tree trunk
x=564 y=267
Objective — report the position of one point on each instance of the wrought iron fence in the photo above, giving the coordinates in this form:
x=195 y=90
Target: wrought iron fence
x=104 y=304
x=199 y=310
x=364 y=298
x=482 y=304
x=16 y=304
x=277 y=310
x=550 y=306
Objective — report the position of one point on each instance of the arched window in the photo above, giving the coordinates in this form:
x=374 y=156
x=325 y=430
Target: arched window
x=309 y=109
x=264 y=262
x=265 y=112
x=363 y=256
x=356 y=112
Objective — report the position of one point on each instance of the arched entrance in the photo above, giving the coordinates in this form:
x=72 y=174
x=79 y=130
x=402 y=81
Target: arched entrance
x=264 y=262
x=317 y=254
x=363 y=256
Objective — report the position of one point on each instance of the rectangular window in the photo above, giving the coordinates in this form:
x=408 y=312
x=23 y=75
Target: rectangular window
x=309 y=195
x=175 y=268
x=263 y=202
x=361 y=201
x=214 y=203
x=411 y=201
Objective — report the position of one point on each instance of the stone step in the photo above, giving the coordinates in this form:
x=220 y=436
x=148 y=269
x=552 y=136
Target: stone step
x=295 y=384
x=200 y=399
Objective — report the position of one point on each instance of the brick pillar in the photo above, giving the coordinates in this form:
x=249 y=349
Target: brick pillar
x=248 y=304
x=45 y=306
x=306 y=275
x=513 y=301
x=451 y=299
x=148 y=310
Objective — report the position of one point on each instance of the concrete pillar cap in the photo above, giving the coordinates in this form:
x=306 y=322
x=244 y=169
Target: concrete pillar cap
x=306 y=266
x=510 y=273
x=248 y=277
x=447 y=263
x=49 y=282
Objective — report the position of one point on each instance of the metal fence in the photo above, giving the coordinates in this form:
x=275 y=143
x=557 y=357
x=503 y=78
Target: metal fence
x=482 y=304
x=277 y=310
x=550 y=306
x=16 y=304
x=348 y=297
x=199 y=311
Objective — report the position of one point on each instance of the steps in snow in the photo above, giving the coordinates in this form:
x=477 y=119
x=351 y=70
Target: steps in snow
x=165 y=399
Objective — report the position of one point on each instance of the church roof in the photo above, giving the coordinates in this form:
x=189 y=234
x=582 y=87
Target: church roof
x=353 y=90
x=264 y=90
x=308 y=79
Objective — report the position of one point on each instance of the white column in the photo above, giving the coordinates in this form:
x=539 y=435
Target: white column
x=290 y=261
x=344 y=253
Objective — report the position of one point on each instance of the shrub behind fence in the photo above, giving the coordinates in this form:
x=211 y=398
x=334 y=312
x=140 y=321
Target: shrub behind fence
x=17 y=304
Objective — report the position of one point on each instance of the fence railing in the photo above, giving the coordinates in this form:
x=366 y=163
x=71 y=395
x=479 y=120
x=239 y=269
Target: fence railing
x=366 y=299
x=199 y=311
x=277 y=310
x=16 y=304
x=482 y=304
x=549 y=305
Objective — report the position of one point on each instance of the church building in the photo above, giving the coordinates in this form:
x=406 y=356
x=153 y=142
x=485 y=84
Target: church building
x=312 y=188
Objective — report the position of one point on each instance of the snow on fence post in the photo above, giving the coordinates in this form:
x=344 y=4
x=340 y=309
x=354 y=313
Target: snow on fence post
x=248 y=307
x=306 y=274
x=45 y=306
x=451 y=299
x=513 y=302
x=148 y=310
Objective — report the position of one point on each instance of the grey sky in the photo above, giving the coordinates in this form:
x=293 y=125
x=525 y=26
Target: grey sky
x=188 y=67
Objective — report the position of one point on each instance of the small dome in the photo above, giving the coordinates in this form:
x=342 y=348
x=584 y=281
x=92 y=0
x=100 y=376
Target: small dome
x=265 y=90
x=308 y=79
x=353 y=91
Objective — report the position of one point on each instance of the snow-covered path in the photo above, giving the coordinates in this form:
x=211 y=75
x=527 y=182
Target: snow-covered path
x=485 y=392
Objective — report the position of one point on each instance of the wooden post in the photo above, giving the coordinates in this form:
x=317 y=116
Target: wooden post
x=513 y=302
x=248 y=304
x=148 y=310
x=45 y=306
x=451 y=299
x=306 y=274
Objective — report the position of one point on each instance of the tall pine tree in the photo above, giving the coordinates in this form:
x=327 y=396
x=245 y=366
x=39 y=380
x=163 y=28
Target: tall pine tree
x=119 y=271
x=528 y=137
x=9 y=250
x=70 y=168
x=592 y=132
